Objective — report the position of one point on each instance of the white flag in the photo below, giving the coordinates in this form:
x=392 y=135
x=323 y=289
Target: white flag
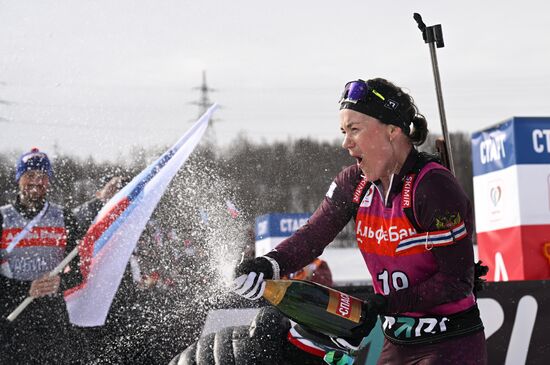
x=112 y=237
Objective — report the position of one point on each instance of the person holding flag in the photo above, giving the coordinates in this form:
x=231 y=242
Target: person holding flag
x=110 y=241
x=35 y=236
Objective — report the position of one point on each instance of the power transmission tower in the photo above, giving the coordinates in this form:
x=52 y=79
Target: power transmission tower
x=204 y=103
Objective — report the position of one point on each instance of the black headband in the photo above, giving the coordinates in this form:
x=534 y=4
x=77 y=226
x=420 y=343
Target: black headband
x=377 y=100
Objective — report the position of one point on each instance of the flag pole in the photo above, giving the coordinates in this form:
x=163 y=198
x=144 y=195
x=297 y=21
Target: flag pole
x=181 y=150
x=431 y=35
x=24 y=304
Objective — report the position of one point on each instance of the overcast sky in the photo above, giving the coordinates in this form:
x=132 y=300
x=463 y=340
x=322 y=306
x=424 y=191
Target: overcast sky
x=97 y=77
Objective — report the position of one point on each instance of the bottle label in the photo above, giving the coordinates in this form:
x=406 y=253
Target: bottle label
x=344 y=306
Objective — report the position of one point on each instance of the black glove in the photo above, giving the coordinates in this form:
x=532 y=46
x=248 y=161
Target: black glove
x=479 y=271
x=375 y=304
x=257 y=265
x=249 y=277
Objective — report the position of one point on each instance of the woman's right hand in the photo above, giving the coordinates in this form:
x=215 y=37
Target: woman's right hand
x=44 y=285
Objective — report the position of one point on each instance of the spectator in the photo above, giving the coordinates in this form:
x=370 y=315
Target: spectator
x=36 y=235
x=317 y=271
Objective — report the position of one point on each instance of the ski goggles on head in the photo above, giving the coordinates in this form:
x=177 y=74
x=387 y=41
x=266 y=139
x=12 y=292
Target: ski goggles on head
x=359 y=91
x=374 y=99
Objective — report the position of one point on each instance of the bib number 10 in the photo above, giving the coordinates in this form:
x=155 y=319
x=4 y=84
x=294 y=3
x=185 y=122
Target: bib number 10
x=399 y=280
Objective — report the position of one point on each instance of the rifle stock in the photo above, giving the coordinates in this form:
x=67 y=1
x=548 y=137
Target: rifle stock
x=441 y=149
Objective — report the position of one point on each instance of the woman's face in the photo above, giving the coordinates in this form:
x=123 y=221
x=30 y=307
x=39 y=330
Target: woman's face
x=368 y=141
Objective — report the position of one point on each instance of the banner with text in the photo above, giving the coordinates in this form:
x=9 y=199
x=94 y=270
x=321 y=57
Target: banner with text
x=511 y=165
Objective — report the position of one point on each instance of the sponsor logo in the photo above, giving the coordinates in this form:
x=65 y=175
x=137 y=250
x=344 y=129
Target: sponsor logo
x=28 y=265
x=391 y=104
x=414 y=327
x=344 y=305
x=513 y=323
x=541 y=140
x=492 y=149
x=406 y=193
x=38 y=236
x=358 y=190
x=367 y=200
x=496 y=193
x=393 y=234
x=290 y=225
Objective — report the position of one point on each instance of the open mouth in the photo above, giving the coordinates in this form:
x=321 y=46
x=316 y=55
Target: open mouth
x=358 y=159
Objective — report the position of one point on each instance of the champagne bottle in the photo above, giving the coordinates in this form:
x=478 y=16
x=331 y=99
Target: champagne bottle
x=316 y=306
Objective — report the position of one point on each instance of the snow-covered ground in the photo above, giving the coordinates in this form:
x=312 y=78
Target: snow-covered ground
x=347 y=266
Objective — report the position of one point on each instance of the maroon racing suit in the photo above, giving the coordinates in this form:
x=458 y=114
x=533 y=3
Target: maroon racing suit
x=439 y=205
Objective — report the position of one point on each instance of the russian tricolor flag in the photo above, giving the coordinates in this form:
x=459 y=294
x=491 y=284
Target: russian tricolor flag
x=112 y=237
x=232 y=209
